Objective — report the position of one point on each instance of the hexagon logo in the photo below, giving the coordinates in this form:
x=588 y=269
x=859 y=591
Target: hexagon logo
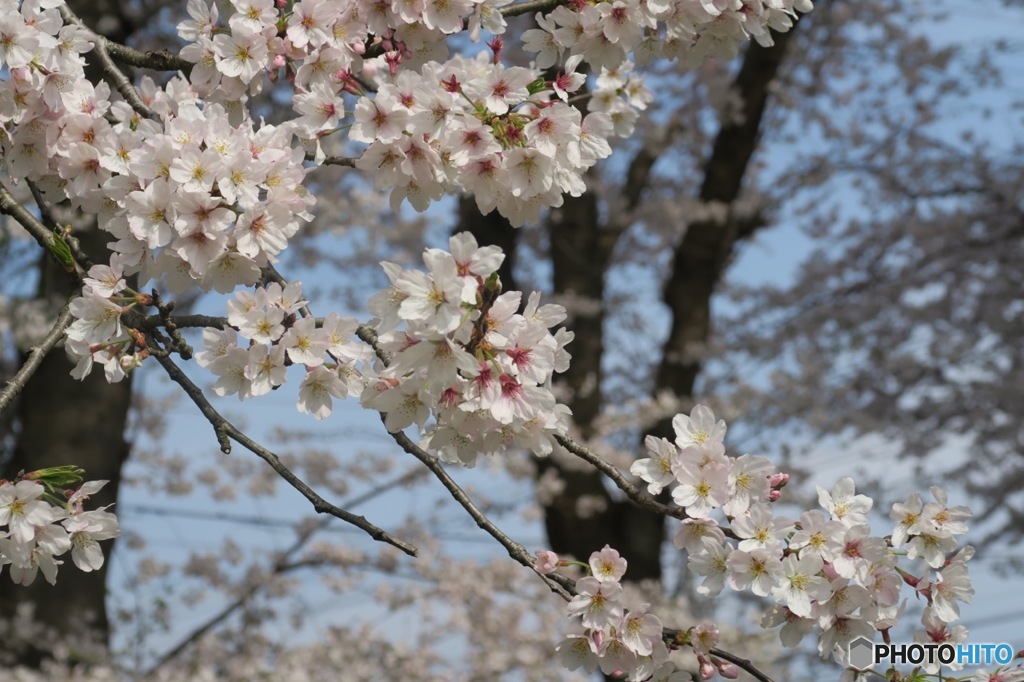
x=861 y=653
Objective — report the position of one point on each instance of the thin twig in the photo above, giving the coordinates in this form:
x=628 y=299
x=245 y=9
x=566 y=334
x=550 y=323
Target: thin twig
x=742 y=663
x=280 y=567
x=225 y=430
x=45 y=237
x=531 y=6
x=564 y=587
x=36 y=355
x=110 y=69
x=632 y=492
x=333 y=160
x=155 y=60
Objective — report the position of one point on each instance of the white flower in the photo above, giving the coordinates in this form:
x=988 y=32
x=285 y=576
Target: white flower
x=596 y=603
x=698 y=428
x=801 y=584
x=316 y=390
x=607 y=565
x=843 y=504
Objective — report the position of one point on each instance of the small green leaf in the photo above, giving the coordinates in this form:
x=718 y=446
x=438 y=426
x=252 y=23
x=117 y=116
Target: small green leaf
x=61 y=251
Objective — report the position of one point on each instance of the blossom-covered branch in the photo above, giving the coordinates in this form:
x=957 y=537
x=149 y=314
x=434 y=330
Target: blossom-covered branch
x=225 y=430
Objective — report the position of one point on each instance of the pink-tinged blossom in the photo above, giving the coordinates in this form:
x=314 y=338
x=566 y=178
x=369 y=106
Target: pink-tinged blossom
x=87 y=530
x=305 y=344
x=316 y=391
x=404 y=405
x=932 y=545
x=502 y=88
x=692 y=532
x=265 y=369
x=907 y=515
x=607 y=565
x=860 y=550
x=700 y=491
x=546 y=562
x=231 y=375
x=21 y=510
x=380 y=119
x=759 y=528
x=698 y=428
x=578 y=650
x=950 y=586
x=801 y=584
x=713 y=564
x=845 y=506
x=262 y=325
x=472 y=260
x=748 y=483
x=104 y=281
x=818 y=535
x=656 y=470
x=759 y=570
x=704 y=636
x=945 y=519
x=97 y=319
x=241 y=54
x=596 y=603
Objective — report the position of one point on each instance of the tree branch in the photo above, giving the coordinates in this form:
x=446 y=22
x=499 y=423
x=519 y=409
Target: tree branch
x=65 y=251
x=280 y=566
x=225 y=430
x=530 y=6
x=623 y=484
x=742 y=663
x=110 y=69
x=36 y=355
x=560 y=585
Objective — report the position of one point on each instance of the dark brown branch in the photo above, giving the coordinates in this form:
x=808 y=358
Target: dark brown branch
x=45 y=237
x=280 y=567
x=742 y=663
x=36 y=355
x=530 y=6
x=560 y=585
x=225 y=430
x=333 y=160
x=155 y=60
x=617 y=477
x=110 y=69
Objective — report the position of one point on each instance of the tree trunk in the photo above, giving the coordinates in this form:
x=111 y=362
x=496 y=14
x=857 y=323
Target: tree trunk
x=59 y=420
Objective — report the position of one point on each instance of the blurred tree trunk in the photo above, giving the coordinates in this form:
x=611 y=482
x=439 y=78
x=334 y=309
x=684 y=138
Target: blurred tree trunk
x=59 y=420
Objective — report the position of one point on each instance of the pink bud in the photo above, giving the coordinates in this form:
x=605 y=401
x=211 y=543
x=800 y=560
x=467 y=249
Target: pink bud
x=779 y=480
x=728 y=670
x=774 y=495
x=707 y=670
x=546 y=563
x=496 y=44
x=278 y=61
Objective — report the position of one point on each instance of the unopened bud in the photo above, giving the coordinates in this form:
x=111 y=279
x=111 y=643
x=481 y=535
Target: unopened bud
x=728 y=670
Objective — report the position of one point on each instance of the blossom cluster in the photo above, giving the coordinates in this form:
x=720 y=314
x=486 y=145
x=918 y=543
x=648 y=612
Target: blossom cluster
x=196 y=193
x=606 y=635
x=503 y=134
x=461 y=352
x=265 y=335
x=606 y=33
x=824 y=571
x=36 y=527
